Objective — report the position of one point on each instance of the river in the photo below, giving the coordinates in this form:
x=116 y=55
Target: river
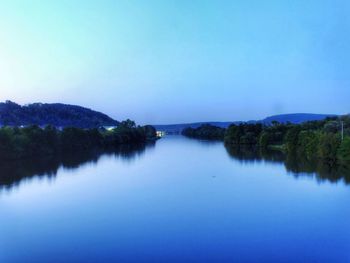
x=179 y=200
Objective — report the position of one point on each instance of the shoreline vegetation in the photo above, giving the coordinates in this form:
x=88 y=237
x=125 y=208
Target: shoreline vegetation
x=33 y=141
x=327 y=140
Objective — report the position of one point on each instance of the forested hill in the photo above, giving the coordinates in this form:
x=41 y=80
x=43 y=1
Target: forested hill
x=295 y=118
x=57 y=114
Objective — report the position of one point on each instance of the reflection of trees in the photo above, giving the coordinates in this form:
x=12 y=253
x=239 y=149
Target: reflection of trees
x=13 y=172
x=253 y=153
x=301 y=166
x=296 y=164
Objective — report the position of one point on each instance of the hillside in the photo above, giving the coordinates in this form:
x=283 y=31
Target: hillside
x=177 y=128
x=57 y=114
x=295 y=118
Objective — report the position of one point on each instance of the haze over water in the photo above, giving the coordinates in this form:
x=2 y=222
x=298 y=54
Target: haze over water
x=180 y=200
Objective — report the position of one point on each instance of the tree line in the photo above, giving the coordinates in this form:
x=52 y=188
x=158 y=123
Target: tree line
x=205 y=131
x=311 y=140
x=33 y=141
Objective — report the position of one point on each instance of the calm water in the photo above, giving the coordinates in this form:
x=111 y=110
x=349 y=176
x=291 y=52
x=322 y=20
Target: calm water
x=180 y=200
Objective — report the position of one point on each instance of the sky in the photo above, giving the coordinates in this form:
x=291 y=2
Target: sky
x=175 y=61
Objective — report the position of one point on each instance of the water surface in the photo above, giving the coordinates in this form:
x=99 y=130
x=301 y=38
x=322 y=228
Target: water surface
x=180 y=200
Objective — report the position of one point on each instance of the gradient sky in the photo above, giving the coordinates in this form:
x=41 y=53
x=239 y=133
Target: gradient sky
x=178 y=61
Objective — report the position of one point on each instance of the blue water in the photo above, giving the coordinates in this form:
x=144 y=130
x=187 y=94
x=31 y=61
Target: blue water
x=181 y=200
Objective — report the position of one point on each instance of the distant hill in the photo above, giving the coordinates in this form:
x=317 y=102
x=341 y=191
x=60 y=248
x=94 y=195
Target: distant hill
x=177 y=128
x=64 y=115
x=57 y=114
x=295 y=118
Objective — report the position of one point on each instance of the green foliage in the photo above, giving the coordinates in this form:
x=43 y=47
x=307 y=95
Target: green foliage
x=243 y=134
x=328 y=147
x=310 y=140
x=149 y=131
x=233 y=134
x=344 y=150
x=33 y=141
x=127 y=124
x=7 y=142
x=265 y=140
x=308 y=143
x=332 y=127
x=273 y=135
x=206 y=131
x=291 y=139
x=75 y=139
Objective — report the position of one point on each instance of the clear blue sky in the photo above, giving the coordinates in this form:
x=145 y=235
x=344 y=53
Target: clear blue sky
x=178 y=61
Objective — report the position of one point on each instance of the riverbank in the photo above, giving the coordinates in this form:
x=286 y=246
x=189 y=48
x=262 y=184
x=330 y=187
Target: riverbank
x=33 y=141
x=327 y=140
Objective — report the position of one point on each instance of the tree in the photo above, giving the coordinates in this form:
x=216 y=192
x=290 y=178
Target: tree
x=344 y=150
x=308 y=143
x=264 y=140
x=233 y=134
x=332 y=127
x=129 y=124
x=205 y=131
x=291 y=139
x=328 y=147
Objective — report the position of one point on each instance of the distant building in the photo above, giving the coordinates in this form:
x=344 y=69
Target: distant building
x=160 y=134
x=107 y=128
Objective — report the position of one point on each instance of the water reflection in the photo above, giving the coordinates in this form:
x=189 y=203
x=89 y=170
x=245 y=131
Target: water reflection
x=12 y=173
x=296 y=165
